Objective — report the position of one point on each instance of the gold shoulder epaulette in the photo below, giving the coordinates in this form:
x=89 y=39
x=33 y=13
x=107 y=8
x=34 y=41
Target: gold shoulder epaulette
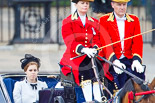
x=111 y=17
x=129 y=19
x=90 y=18
x=74 y=16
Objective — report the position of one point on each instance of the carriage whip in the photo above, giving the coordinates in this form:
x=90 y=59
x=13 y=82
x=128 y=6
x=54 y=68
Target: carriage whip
x=126 y=39
x=117 y=42
x=132 y=75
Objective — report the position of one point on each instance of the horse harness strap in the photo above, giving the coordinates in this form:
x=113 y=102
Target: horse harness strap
x=139 y=99
x=131 y=95
x=144 y=87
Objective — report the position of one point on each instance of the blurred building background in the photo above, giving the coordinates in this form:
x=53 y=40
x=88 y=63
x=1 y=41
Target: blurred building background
x=39 y=21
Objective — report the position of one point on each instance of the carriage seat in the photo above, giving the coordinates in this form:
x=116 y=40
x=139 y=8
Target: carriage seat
x=9 y=83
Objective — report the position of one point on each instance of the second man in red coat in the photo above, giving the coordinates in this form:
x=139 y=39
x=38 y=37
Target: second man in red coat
x=121 y=25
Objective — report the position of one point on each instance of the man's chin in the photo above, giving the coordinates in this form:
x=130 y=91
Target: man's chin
x=121 y=14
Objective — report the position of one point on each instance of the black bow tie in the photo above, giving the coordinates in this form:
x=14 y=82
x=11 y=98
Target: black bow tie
x=34 y=86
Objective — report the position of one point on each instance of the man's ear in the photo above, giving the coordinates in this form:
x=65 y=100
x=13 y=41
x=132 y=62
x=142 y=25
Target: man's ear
x=112 y=4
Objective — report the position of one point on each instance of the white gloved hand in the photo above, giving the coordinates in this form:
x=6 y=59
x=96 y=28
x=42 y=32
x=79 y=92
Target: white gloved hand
x=94 y=51
x=119 y=64
x=136 y=64
x=89 y=51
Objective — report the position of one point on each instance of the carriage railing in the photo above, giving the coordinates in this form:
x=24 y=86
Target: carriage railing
x=4 y=90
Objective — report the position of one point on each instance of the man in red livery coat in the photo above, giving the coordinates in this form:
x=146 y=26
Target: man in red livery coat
x=81 y=35
x=121 y=25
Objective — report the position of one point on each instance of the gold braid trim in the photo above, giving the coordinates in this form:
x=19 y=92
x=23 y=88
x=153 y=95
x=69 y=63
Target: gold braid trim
x=83 y=83
x=111 y=55
x=77 y=49
x=138 y=56
x=129 y=19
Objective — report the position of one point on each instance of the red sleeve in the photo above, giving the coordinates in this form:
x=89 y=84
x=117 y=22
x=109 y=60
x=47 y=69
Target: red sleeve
x=68 y=35
x=105 y=39
x=137 y=47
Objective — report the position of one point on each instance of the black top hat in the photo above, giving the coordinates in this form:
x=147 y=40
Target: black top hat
x=98 y=6
x=75 y=1
x=29 y=58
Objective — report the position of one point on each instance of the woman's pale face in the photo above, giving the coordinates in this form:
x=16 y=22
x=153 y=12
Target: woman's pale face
x=119 y=8
x=32 y=73
x=82 y=7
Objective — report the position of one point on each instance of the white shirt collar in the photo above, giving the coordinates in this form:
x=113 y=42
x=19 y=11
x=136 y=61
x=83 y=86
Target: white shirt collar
x=120 y=19
x=29 y=82
x=83 y=19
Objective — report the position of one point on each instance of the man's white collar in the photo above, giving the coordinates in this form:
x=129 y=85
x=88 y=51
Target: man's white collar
x=120 y=19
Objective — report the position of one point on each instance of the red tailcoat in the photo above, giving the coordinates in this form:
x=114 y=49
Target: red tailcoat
x=76 y=36
x=133 y=48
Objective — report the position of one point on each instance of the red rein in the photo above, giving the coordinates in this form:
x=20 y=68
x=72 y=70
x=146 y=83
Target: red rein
x=131 y=94
x=145 y=93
